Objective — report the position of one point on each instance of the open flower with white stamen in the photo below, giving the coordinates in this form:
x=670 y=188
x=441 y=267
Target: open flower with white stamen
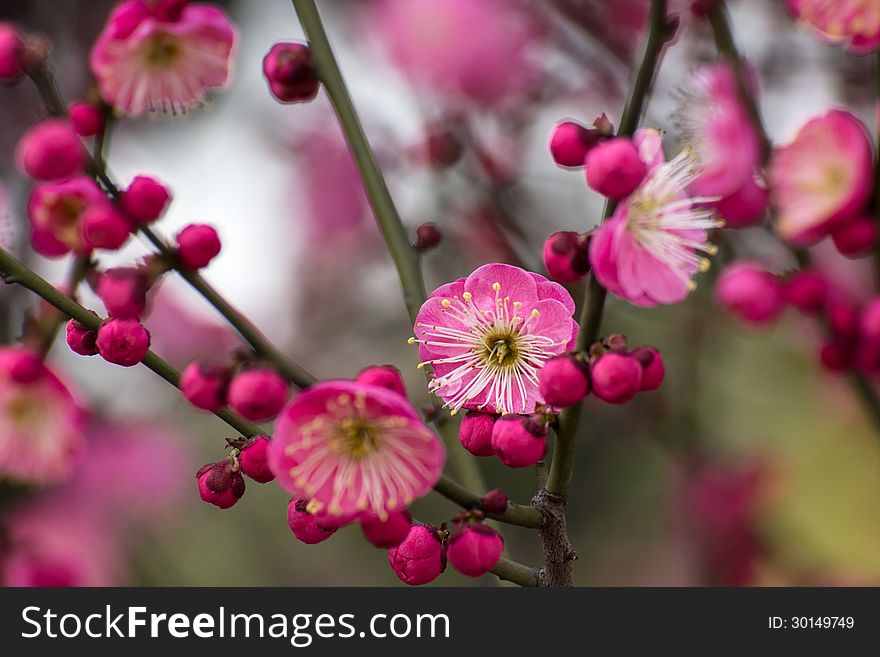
x=162 y=55
x=356 y=451
x=656 y=241
x=487 y=336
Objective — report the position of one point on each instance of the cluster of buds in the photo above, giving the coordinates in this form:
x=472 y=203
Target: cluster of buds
x=566 y=256
x=222 y=483
x=517 y=440
x=249 y=387
x=571 y=142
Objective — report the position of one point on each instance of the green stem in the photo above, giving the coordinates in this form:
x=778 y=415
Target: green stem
x=726 y=45
x=592 y=310
x=14 y=271
x=516 y=514
x=515 y=572
x=405 y=258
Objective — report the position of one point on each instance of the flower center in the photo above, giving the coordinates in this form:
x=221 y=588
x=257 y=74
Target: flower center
x=162 y=50
x=357 y=437
x=500 y=347
x=24 y=411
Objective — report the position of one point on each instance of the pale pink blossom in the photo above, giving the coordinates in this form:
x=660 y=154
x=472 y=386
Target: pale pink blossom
x=57 y=210
x=41 y=425
x=852 y=23
x=656 y=240
x=822 y=179
x=487 y=336
x=354 y=450
x=146 y=59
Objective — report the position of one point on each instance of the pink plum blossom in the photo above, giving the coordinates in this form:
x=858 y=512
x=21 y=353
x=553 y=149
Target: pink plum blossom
x=41 y=424
x=487 y=336
x=653 y=244
x=56 y=211
x=354 y=450
x=822 y=179
x=152 y=59
x=853 y=23
x=475 y=50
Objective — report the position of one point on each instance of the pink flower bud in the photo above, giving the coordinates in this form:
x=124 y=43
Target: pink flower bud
x=869 y=321
x=566 y=256
x=750 y=292
x=564 y=380
x=494 y=502
x=653 y=370
x=197 y=245
x=87 y=119
x=474 y=550
x=569 y=144
x=383 y=376
x=220 y=484
x=420 y=557
x=856 y=238
x=475 y=433
x=50 y=150
x=104 y=227
x=519 y=440
x=441 y=148
x=614 y=168
x=807 y=291
x=290 y=73
x=24 y=366
x=389 y=533
x=123 y=341
x=80 y=339
x=11 y=51
x=835 y=356
x=145 y=199
x=204 y=386
x=428 y=236
x=254 y=460
x=257 y=394
x=307 y=527
x=616 y=377
x=123 y=291
x=169 y=10
x=747 y=206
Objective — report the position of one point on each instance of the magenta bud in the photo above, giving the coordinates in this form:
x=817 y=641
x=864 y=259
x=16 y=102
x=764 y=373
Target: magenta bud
x=747 y=206
x=289 y=70
x=420 y=557
x=197 y=245
x=566 y=256
x=254 y=460
x=614 y=168
x=473 y=550
x=475 y=433
x=87 y=119
x=388 y=533
x=750 y=292
x=843 y=319
x=123 y=341
x=856 y=238
x=123 y=291
x=428 y=236
x=257 y=394
x=519 y=440
x=383 y=376
x=80 y=339
x=51 y=150
x=564 y=380
x=220 y=484
x=11 y=52
x=616 y=377
x=442 y=148
x=494 y=502
x=569 y=144
x=205 y=386
x=104 y=227
x=306 y=526
x=807 y=291
x=835 y=357
x=25 y=367
x=869 y=321
x=653 y=370
x=145 y=199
